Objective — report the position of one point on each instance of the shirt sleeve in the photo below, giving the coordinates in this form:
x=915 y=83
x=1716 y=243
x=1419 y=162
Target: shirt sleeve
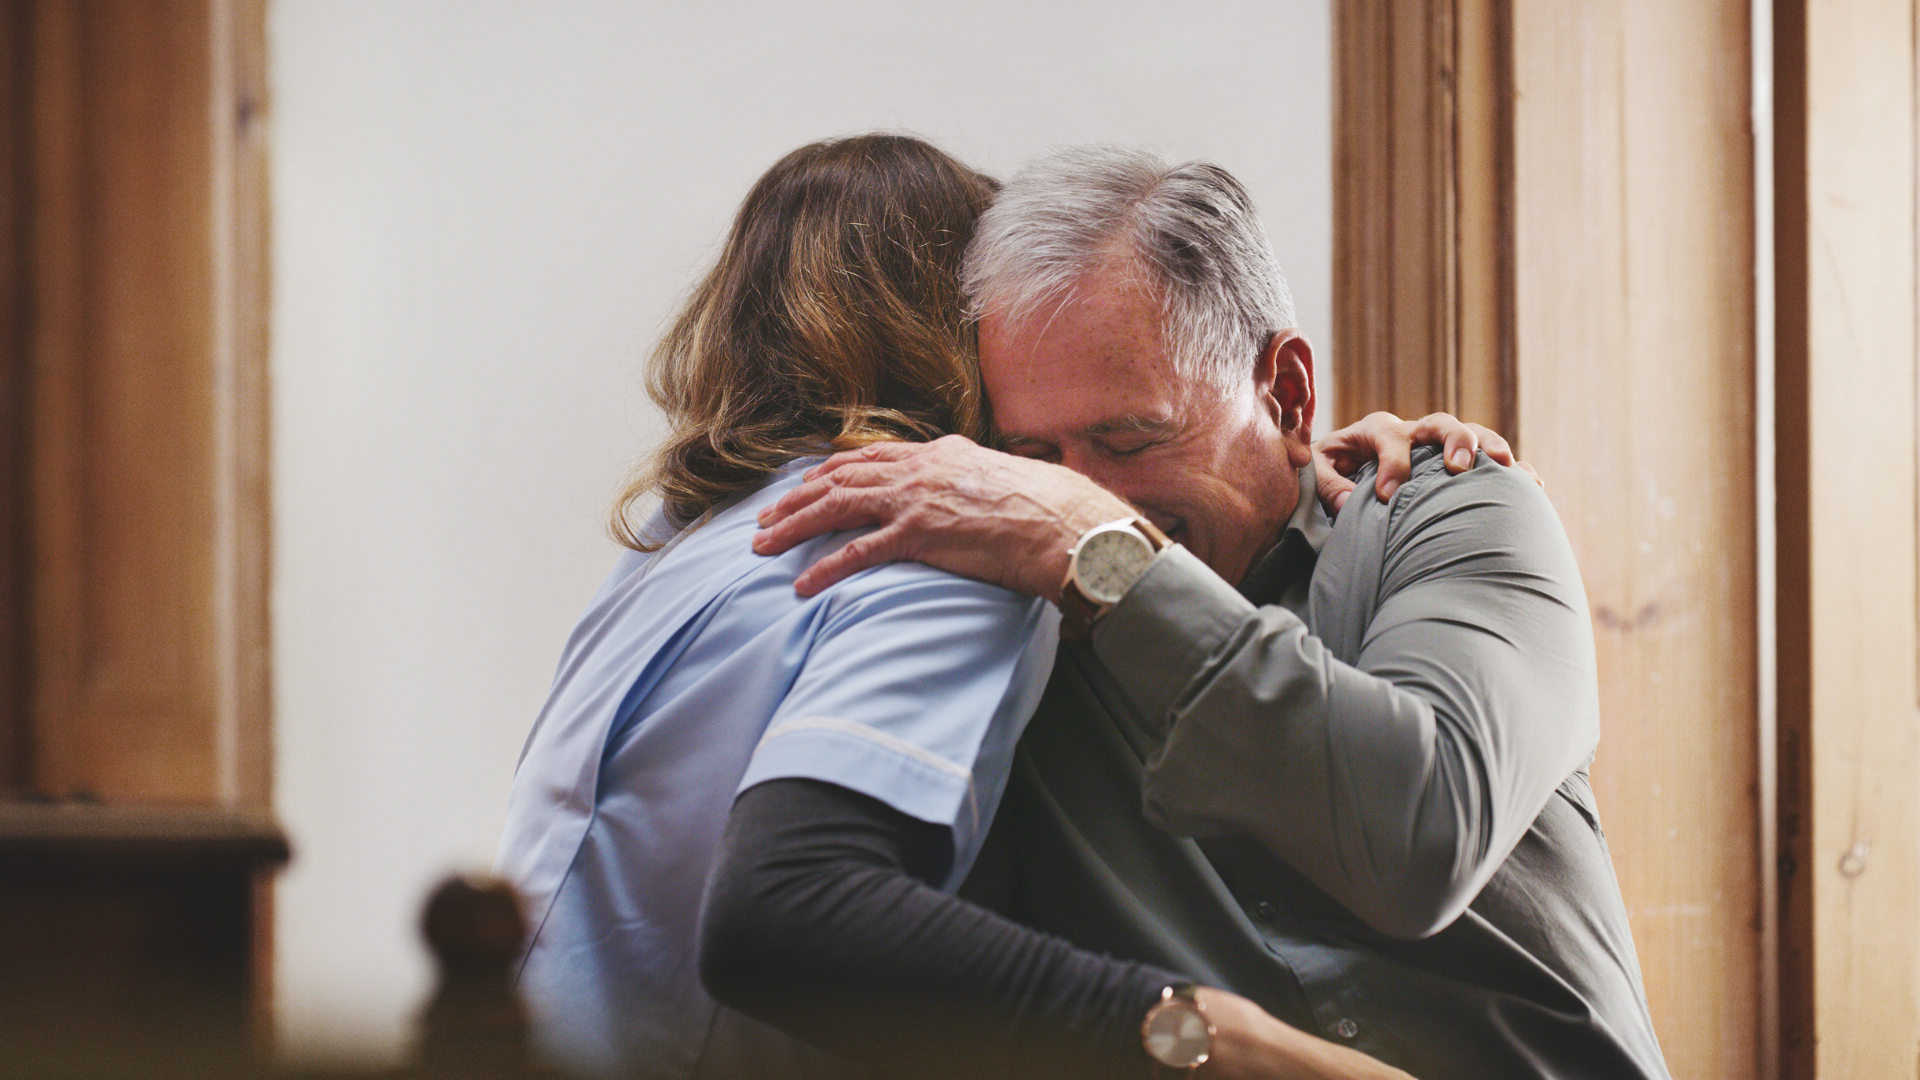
x=1396 y=758
x=818 y=919
x=913 y=691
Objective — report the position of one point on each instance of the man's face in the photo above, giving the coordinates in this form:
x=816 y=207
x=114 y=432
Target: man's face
x=1091 y=387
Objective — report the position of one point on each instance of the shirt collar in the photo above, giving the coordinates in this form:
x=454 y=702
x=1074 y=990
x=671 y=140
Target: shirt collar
x=1298 y=549
x=1308 y=519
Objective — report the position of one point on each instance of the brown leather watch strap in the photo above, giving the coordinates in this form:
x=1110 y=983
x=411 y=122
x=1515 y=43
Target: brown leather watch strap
x=1155 y=537
x=1078 y=611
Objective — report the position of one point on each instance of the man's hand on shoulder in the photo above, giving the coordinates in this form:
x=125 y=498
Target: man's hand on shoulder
x=951 y=504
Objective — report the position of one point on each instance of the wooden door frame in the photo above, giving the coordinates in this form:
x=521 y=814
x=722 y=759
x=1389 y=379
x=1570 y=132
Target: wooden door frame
x=1423 y=155
x=16 y=269
x=1444 y=221
x=133 y=155
x=1840 y=958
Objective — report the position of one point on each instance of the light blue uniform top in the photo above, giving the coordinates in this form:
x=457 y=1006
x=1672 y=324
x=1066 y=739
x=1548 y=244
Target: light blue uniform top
x=695 y=674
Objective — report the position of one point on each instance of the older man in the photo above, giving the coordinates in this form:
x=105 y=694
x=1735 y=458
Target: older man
x=1336 y=767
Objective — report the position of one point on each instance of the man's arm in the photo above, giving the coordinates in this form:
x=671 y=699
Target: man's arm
x=1009 y=520
x=1398 y=758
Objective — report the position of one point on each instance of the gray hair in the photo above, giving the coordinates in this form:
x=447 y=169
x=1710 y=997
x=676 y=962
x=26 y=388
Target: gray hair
x=1189 y=232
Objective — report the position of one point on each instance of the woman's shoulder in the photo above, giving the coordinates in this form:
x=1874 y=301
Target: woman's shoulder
x=714 y=556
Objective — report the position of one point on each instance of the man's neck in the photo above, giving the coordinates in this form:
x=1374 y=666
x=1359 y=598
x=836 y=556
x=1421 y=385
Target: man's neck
x=1298 y=540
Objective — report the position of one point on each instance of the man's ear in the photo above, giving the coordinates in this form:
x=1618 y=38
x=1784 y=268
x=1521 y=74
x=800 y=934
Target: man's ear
x=1284 y=379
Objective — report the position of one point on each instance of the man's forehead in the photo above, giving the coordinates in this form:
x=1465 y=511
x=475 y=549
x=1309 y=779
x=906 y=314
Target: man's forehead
x=1111 y=292
x=1037 y=295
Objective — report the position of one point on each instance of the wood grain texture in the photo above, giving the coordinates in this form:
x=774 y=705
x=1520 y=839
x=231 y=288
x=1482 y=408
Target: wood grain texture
x=16 y=23
x=1392 y=205
x=1849 y=748
x=1484 y=380
x=1634 y=269
x=1599 y=264
x=148 y=434
x=1421 y=159
x=239 y=109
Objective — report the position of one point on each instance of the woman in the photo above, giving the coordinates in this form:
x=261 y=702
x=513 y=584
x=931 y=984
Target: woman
x=741 y=815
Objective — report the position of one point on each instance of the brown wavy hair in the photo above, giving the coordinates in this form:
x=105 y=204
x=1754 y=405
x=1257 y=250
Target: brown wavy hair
x=832 y=319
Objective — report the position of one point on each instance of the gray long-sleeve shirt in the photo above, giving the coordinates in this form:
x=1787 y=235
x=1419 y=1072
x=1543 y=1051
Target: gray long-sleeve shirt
x=1364 y=804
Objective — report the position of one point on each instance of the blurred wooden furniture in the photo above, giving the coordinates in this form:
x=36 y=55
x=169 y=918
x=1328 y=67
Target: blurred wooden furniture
x=133 y=535
x=129 y=939
x=128 y=952
x=475 y=1026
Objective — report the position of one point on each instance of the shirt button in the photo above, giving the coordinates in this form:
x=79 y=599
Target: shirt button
x=1266 y=911
x=1346 y=1029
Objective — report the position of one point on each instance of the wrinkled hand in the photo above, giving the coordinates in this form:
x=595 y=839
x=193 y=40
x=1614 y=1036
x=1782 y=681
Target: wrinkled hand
x=1390 y=440
x=951 y=504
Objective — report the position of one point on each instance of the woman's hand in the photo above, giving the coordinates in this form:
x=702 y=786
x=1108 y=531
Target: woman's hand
x=1250 y=1044
x=1386 y=438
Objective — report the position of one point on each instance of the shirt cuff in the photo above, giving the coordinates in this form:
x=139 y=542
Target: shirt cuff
x=907 y=777
x=1163 y=631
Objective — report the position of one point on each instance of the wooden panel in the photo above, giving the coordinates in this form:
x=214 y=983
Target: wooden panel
x=15 y=419
x=1634 y=321
x=122 y=443
x=1421 y=160
x=1849 y=757
x=1597 y=168
x=149 y=449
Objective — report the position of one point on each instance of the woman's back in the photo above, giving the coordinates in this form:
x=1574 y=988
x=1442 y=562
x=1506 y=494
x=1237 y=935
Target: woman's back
x=696 y=673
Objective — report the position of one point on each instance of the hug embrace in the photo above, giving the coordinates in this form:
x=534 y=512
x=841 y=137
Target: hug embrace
x=1006 y=684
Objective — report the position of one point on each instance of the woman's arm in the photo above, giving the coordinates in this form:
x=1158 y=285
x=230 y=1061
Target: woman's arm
x=819 y=920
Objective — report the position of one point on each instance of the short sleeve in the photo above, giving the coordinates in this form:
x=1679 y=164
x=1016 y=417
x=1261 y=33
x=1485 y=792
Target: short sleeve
x=914 y=689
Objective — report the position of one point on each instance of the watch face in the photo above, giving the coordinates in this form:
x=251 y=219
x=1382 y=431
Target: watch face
x=1176 y=1034
x=1108 y=562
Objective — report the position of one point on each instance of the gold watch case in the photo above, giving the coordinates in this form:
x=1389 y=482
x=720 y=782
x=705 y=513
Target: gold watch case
x=1176 y=1031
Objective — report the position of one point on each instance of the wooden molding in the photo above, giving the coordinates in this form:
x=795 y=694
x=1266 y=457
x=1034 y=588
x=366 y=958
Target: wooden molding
x=130 y=939
x=149 y=442
x=16 y=538
x=1422 y=258
x=238 y=111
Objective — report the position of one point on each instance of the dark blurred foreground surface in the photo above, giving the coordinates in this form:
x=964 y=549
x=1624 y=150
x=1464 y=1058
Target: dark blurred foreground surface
x=132 y=947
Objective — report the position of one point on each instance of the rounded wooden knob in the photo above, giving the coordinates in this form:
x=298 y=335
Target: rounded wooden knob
x=475 y=924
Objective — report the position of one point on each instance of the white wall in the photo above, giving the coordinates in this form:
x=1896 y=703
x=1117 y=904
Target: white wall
x=483 y=212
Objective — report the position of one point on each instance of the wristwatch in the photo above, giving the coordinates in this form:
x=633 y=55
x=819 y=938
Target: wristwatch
x=1101 y=567
x=1176 y=1032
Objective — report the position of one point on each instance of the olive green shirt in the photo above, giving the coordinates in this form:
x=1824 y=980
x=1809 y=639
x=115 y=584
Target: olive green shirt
x=1356 y=794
